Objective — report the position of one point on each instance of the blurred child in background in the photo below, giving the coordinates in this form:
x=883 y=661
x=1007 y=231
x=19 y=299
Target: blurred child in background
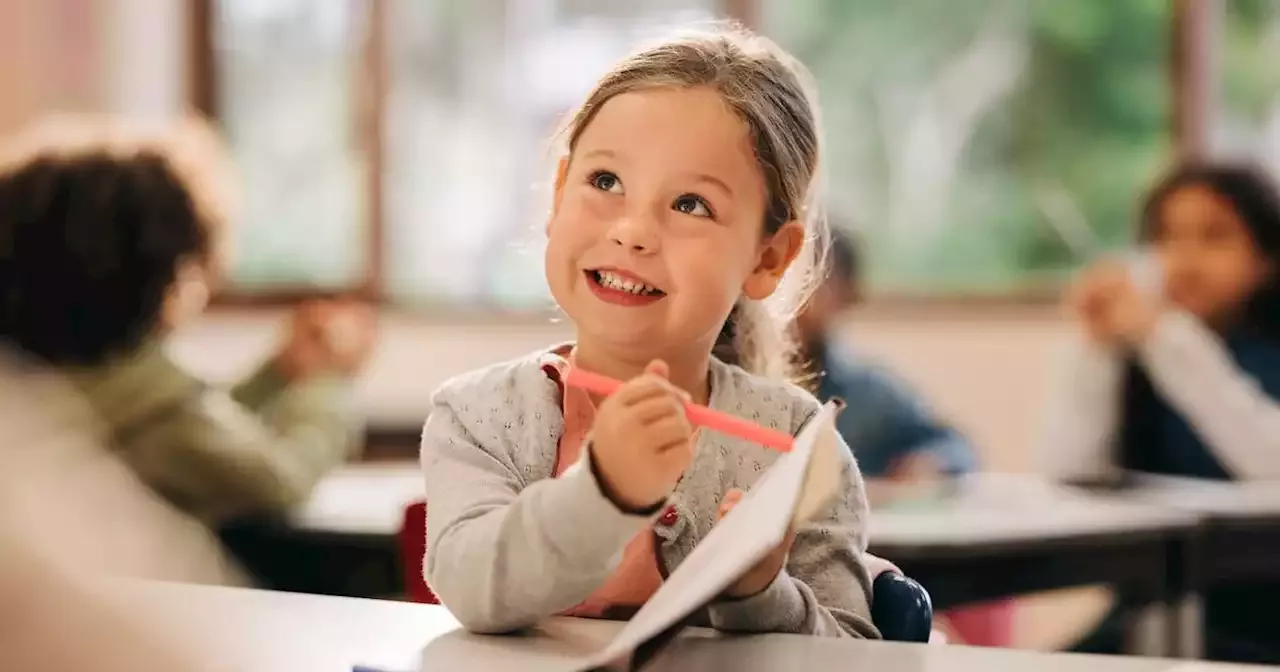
x=896 y=439
x=113 y=237
x=1180 y=376
x=889 y=428
x=72 y=515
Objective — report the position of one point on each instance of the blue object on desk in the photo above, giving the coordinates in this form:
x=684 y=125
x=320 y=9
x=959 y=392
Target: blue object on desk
x=901 y=608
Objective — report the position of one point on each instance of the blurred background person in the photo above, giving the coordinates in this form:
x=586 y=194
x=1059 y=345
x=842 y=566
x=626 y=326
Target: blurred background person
x=902 y=448
x=114 y=236
x=889 y=427
x=74 y=520
x=1179 y=374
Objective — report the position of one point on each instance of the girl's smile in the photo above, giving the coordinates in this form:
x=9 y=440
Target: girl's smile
x=622 y=288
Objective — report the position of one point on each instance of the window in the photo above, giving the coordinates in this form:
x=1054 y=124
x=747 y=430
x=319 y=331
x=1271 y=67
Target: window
x=983 y=147
x=1247 y=117
x=987 y=145
x=476 y=92
x=285 y=75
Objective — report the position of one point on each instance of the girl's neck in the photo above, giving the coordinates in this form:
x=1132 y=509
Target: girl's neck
x=687 y=371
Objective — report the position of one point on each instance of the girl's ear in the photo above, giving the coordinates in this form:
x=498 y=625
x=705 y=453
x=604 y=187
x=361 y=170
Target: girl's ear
x=187 y=297
x=777 y=253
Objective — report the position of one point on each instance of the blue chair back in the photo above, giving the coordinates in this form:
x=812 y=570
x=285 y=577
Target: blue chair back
x=901 y=608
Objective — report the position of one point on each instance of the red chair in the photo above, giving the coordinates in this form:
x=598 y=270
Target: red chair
x=413 y=550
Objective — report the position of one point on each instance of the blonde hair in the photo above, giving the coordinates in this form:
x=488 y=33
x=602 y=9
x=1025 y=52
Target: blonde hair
x=773 y=94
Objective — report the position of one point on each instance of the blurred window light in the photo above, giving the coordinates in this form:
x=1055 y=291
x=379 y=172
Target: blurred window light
x=980 y=147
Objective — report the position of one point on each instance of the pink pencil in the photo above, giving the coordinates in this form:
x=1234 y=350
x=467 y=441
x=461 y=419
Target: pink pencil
x=698 y=415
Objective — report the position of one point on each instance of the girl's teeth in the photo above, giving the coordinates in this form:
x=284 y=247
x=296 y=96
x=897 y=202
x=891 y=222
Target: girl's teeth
x=615 y=282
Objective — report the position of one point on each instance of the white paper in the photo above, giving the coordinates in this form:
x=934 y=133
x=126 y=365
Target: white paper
x=797 y=485
x=1146 y=272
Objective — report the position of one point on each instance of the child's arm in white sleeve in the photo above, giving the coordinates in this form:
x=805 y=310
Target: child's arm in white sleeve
x=503 y=553
x=1234 y=417
x=1083 y=413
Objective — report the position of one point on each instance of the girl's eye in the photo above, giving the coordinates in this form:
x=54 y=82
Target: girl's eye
x=606 y=181
x=691 y=204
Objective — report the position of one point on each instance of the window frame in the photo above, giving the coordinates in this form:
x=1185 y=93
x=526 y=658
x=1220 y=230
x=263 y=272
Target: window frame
x=1193 y=90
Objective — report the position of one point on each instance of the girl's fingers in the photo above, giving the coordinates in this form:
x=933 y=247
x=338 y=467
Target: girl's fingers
x=638 y=389
x=651 y=410
x=670 y=432
x=730 y=500
x=787 y=541
x=657 y=367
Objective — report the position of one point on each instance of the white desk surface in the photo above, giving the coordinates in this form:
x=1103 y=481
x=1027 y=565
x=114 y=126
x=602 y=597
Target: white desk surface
x=1209 y=498
x=370 y=499
x=260 y=631
x=1011 y=508
x=362 y=499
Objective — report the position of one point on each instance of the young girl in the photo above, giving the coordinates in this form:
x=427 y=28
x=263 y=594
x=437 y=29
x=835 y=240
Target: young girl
x=681 y=203
x=112 y=237
x=1183 y=377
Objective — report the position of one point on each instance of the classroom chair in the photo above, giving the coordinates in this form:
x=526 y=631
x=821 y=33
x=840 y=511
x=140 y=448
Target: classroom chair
x=900 y=607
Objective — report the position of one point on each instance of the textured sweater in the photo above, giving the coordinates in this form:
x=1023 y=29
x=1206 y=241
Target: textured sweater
x=508 y=544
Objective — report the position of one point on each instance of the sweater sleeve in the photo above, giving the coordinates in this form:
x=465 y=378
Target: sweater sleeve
x=503 y=554
x=1236 y=419
x=1083 y=413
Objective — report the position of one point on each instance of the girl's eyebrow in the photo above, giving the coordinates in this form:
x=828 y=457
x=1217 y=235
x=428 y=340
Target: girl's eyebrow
x=696 y=177
x=604 y=153
x=713 y=181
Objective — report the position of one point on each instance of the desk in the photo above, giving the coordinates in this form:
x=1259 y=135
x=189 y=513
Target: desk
x=342 y=541
x=1241 y=536
x=1002 y=536
x=1242 y=523
x=259 y=631
x=1008 y=535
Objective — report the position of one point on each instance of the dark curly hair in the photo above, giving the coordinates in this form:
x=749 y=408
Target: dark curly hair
x=90 y=244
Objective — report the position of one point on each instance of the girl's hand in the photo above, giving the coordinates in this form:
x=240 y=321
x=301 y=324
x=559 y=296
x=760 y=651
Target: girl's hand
x=1110 y=306
x=759 y=577
x=327 y=337
x=1132 y=314
x=642 y=441
x=350 y=333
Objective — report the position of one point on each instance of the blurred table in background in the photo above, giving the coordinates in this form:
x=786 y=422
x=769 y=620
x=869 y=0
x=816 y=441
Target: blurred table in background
x=391 y=443
x=996 y=536
x=1241 y=522
x=343 y=541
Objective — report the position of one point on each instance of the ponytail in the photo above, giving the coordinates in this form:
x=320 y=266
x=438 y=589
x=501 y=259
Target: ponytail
x=754 y=340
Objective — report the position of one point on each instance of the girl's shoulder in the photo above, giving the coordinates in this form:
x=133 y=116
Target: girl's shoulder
x=499 y=389
x=773 y=403
x=509 y=410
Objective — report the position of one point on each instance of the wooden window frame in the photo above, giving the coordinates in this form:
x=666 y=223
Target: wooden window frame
x=368 y=102
x=1193 y=85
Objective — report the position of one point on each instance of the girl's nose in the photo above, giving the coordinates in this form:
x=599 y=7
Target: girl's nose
x=635 y=233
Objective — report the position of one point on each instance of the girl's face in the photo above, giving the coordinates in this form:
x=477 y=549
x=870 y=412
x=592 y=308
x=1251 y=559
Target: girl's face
x=657 y=226
x=1212 y=265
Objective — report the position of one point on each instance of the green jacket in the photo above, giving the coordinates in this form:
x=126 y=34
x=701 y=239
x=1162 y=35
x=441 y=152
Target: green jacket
x=258 y=449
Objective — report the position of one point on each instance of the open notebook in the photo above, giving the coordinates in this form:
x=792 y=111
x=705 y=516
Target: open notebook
x=794 y=489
